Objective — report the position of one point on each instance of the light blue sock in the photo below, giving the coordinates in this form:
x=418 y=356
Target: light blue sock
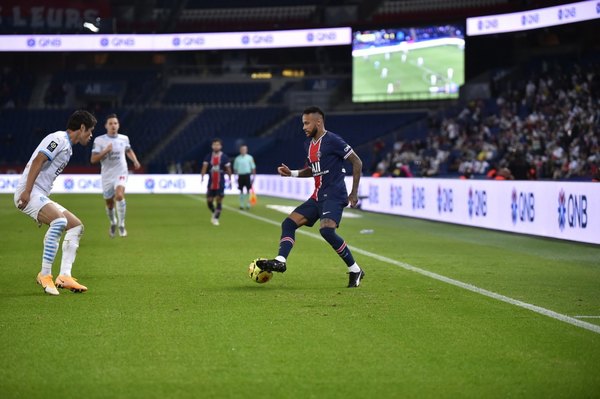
x=51 y=241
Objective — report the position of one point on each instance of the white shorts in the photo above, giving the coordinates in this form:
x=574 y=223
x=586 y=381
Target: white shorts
x=37 y=201
x=109 y=185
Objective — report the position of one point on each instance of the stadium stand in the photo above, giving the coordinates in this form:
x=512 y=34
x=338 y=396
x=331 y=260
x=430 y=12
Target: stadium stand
x=542 y=126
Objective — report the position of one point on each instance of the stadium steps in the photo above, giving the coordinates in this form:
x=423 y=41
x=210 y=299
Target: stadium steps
x=269 y=132
x=37 y=96
x=175 y=132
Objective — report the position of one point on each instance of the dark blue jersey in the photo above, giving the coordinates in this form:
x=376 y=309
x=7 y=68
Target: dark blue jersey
x=326 y=159
x=216 y=170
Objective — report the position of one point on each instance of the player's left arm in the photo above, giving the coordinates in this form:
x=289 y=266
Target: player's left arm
x=356 y=172
x=131 y=155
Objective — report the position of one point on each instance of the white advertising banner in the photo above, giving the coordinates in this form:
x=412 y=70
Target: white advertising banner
x=178 y=41
x=136 y=184
x=563 y=210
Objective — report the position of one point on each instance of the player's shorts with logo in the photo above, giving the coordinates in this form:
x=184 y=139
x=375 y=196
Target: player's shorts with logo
x=314 y=210
x=109 y=185
x=37 y=201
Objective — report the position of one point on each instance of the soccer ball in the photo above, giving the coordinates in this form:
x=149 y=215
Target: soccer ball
x=257 y=274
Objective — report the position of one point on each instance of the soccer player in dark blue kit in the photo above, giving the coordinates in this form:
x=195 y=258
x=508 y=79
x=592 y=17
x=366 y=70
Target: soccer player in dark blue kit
x=219 y=164
x=326 y=153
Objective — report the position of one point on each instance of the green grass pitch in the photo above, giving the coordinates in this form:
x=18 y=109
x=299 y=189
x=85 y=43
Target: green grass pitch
x=171 y=312
x=410 y=80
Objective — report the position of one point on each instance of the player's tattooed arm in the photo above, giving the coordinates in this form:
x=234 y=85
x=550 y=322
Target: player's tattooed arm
x=356 y=172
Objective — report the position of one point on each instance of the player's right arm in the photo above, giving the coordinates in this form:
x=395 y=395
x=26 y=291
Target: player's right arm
x=99 y=156
x=203 y=171
x=34 y=171
x=285 y=171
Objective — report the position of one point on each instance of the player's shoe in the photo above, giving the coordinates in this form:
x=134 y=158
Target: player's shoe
x=355 y=278
x=122 y=231
x=214 y=221
x=47 y=283
x=112 y=230
x=70 y=283
x=271 y=265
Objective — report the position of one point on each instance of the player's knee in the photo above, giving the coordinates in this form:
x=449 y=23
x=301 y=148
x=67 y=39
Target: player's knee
x=328 y=233
x=288 y=224
x=59 y=223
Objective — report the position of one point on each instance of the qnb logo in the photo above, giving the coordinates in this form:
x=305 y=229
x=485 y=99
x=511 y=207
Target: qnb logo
x=445 y=200
x=477 y=203
x=257 y=39
x=374 y=194
x=522 y=206
x=171 y=183
x=117 y=42
x=9 y=183
x=418 y=197
x=176 y=41
x=321 y=37
x=89 y=183
x=69 y=184
x=44 y=42
x=572 y=210
x=395 y=196
x=187 y=41
x=149 y=184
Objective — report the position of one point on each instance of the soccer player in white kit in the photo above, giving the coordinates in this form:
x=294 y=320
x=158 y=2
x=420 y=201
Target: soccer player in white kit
x=31 y=197
x=110 y=150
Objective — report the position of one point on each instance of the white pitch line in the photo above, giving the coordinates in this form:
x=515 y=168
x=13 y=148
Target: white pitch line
x=439 y=277
x=587 y=317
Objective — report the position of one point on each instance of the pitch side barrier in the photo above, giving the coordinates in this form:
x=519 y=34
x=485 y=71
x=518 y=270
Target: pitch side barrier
x=406 y=46
x=563 y=210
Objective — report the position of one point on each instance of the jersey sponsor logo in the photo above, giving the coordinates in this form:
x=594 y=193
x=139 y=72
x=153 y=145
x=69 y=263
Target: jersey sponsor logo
x=60 y=169
x=52 y=146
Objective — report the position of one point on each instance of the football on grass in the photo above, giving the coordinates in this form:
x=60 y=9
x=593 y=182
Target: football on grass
x=258 y=275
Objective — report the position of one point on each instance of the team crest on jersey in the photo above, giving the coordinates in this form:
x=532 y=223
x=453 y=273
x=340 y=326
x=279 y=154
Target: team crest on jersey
x=52 y=146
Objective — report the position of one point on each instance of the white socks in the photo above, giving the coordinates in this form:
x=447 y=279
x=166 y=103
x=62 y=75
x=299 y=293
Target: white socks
x=354 y=268
x=51 y=241
x=69 y=249
x=121 y=210
x=280 y=258
x=110 y=212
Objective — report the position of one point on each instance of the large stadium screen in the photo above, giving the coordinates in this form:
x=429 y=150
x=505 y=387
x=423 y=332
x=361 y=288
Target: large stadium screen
x=407 y=63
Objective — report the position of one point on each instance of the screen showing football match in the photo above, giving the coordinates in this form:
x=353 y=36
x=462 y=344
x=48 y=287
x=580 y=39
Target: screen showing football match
x=422 y=63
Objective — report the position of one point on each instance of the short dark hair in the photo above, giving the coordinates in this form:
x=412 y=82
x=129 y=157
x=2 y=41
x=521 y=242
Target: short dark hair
x=217 y=140
x=80 y=117
x=314 y=110
x=110 y=116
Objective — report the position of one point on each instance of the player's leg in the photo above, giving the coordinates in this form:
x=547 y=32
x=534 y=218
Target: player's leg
x=248 y=185
x=304 y=215
x=217 y=214
x=121 y=206
x=51 y=215
x=210 y=202
x=69 y=252
x=241 y=188
x=328 y=227
x=108 y=189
